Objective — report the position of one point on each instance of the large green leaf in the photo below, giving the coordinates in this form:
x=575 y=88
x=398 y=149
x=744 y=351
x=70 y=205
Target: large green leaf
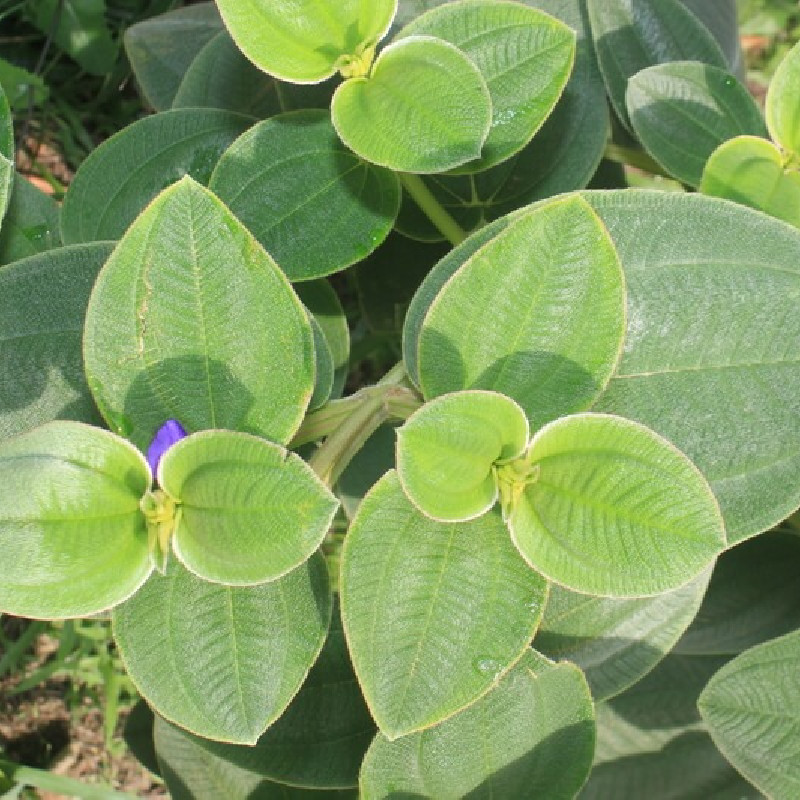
x=630 y=35
x=72 y=536
x=783 y=103
x=614 y=509
x=713 y=344
x=424 y=108
x=752 y=709
x=291 y=175
x=127 y=171
x=752 y=171
x=304 y=41
x=31 y=223
x=616 y=641
x=161 y=49
x=222 y=661
x=447 y=451
x=6 y=153
x=249 y=510
x=683 y=111
x=421 y=602
x=191 y=320
x=531 y=736
x=537 y=314
x=42 y=308
x=524 y=55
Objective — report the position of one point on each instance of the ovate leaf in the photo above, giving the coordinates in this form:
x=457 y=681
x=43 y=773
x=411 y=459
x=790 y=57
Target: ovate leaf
x=249 y=510
x=783 y=103
x=31 y=223
x=72 y=535
x=614 y=509
x=191 y=320
x=447 y=450
x=424 y=108
x=221 y=661
x=421 y=602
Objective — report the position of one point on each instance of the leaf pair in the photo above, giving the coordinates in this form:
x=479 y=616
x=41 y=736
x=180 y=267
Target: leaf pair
x=75 y=537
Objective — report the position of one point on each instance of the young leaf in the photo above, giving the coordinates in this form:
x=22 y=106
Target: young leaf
x=614 y=509
x=291 y=174
x=783 y=103
x=249 y=511
x=191 y=320
x=424 y=108
x=72 y=535
x=446 y=452
x=684 y=110
x=752 y=709
x=751 y=171
x=304 y=41
x=6 y=154
x=452 y=582
x=223 y=662
x=31 y=223
x=534 y=734
x=537 y=314
x=123 y=174
x=524 y=55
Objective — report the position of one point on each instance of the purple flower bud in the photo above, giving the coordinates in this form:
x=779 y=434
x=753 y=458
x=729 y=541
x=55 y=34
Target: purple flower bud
x=166 y=436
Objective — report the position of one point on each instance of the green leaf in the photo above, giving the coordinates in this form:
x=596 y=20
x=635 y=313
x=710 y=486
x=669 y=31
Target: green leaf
x=249 y=511
x=303 y=41
x=447 y=451
x=684 y=110
x=753 y=596
x=752 y=171
x=537 y=314
x=191 y=320
x=453 y=582
x=290 y=175
x=752 y=709
x=22 y=87
x=73 y=538
x=783 y=103
x=43 y=303
x=524 y=55
x=323 y=366
x=6 y=153
x=721 y=19
x=614 y=509
x=122 y=175
x=531 y=736
x=138 y=736
x=31 y=223
x=713 y=344
x=424 y=108
x=223 y=662
x=366 y=468
x=161 y=49
x=616 y=641
x=630 y=36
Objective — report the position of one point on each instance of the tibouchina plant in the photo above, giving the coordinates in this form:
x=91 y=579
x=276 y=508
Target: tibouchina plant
x=479 y=576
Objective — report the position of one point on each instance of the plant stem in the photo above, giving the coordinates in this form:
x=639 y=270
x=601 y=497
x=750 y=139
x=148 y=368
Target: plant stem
x=41 y=779
x=432 y=208
x=631 y=157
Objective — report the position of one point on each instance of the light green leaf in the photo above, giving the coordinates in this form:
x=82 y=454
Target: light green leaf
x=524 y=55
x=249 y=511
x=453 y=582
x=752 y=709
x=223 y=662
x=43 y=303
x=614 y=509
x=22 y=87
x=630 y=36
x=783 y=103
x=752 y=171
x=6 y=153
x=72 y=535
x=616 y=641
x=537 y=314
x=531 y=736
x=447 y=451
x=303 y=41
x=290 y=175
x=122 y=175
x=684 y=110
x=161 y=49
x=31 y=223
x=424 y=108
x=191 y=320
x=323 y=366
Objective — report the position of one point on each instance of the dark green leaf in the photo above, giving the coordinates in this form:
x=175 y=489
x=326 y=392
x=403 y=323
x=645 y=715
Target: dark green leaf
x=31 y=223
